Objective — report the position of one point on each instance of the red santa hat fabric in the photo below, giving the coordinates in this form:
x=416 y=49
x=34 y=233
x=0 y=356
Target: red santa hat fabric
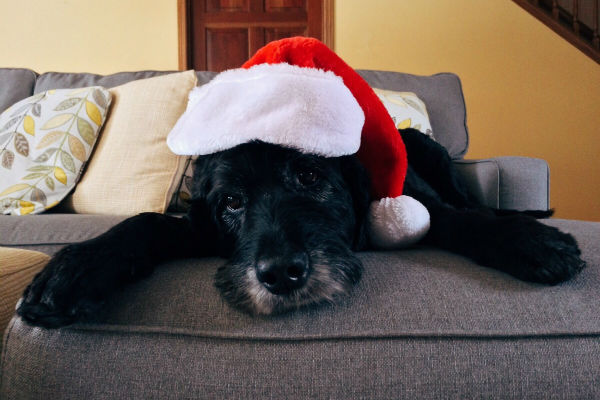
x=298 y=93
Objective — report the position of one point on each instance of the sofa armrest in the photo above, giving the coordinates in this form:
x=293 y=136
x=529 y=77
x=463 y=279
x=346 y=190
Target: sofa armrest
x=519 y=183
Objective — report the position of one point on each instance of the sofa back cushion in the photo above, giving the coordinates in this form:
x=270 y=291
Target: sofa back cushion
x=55 y=80
x=443 y=97
x=442 y=94
x=15 y=84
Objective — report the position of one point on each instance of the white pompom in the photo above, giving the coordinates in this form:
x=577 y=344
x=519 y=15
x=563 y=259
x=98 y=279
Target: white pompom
x=397 y=222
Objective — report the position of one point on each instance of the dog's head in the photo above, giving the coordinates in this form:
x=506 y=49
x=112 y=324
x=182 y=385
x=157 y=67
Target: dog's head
x=287 y=222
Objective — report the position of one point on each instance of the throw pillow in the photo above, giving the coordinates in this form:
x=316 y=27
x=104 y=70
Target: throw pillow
x=45 y=140
x=406 y=109
x=182 y=196
x=132 y=169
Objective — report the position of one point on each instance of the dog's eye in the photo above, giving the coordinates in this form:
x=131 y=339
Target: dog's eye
x=233 y=203
x=308 y=178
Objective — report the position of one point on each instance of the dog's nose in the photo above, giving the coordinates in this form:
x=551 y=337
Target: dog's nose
x=282 y=275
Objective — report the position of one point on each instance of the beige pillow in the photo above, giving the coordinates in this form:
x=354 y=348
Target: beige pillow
x=132 y=170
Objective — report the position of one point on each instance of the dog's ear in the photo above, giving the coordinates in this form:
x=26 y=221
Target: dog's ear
x=202 y=178
x=200 y=213
x=358 y=182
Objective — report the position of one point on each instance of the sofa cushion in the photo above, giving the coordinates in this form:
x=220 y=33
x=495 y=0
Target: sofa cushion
x=50 y=232
x=15 y=84
x=60 y=80
x=443 y=97
x=441 y=93
x=425 y=292
x=57 y=80
x=421 y=324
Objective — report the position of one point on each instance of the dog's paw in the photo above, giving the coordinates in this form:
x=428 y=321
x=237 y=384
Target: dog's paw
x=66 y=290
x=535 y=252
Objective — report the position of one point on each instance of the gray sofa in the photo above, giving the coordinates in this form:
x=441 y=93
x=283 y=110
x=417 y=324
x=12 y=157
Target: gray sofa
x=421 y=324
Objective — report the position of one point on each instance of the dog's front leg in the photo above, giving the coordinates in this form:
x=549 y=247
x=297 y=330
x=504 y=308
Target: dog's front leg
x=78 y=279
x=517 y=244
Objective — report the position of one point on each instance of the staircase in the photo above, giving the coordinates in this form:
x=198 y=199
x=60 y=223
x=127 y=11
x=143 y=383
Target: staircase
x=575 y=20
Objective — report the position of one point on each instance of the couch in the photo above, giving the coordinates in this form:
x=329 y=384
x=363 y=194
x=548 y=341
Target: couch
x=422 y=323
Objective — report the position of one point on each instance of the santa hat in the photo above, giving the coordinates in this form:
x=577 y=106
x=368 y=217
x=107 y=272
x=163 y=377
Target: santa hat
x=298 y=93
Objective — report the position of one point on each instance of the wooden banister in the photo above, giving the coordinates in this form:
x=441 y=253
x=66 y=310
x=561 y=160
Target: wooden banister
x=575 y=20
x=574 y=17
x=596 y=37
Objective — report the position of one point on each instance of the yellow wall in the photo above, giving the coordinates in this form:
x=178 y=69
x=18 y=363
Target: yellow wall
x=528 y=91
x=101 y=36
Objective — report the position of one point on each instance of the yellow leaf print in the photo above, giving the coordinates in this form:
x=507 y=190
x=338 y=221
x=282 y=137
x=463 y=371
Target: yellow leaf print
x=184 y=196
x=49 y=206
x=49 y=139
x=77 y=148
x=93 y=112
x=29 y=125
x=27 y=210
x=404 y=124
x=26 y=207
x=60 y=175
x=58 y=120
x=398 y=100
x=14 y=188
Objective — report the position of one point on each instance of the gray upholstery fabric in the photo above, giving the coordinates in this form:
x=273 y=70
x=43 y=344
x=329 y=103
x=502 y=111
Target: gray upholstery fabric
x=520 y=175
x=421 y=324
x=204 y=76
x=443 y=96
x=57 y=80
x=48 y=233
x=115 y=365
x=482 y=180
x=517 y=183
x=15 y=84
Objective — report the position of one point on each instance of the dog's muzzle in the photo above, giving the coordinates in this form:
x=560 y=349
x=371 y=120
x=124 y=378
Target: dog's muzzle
x=282 y=275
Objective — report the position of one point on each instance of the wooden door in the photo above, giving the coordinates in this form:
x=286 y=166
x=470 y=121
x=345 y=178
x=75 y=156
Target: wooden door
x=223 y=34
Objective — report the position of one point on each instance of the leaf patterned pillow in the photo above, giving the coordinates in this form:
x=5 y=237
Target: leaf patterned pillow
x=182 y=196
x=45 y=140
x=406 y=109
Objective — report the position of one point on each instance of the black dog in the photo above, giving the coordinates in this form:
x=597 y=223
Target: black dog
x=288 y=224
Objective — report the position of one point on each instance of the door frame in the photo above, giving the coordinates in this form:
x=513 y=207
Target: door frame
x=184 y=29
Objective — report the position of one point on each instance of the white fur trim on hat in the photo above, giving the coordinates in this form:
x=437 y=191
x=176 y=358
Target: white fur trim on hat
x=397 y=222
x=308 y=109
